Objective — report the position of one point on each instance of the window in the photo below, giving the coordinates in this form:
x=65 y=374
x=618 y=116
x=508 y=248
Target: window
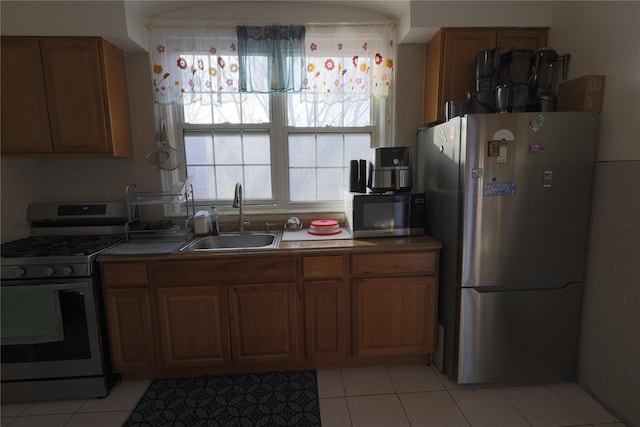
x=289 y=149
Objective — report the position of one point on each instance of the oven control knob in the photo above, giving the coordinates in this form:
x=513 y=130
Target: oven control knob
x=67 y=270
x=49 y=271
x=19 y=272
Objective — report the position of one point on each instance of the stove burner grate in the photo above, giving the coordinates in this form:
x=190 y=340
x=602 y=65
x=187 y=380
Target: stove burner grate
x=40 y=246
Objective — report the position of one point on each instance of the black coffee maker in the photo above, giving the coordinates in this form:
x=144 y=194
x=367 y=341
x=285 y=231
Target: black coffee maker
x=512 y=93
x=487 y=69
x=547 y=68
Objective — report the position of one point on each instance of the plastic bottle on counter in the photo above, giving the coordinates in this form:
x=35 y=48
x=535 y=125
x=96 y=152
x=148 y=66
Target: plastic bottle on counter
x=213 y=217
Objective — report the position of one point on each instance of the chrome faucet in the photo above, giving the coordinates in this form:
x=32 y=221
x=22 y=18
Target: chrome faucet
x=237 y=203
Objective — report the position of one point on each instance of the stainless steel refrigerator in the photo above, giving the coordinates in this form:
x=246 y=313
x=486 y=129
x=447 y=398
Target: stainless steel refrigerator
x=508 y=195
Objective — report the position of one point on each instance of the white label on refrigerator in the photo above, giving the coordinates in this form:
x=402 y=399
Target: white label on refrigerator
x=502 y=151
x=547 y=179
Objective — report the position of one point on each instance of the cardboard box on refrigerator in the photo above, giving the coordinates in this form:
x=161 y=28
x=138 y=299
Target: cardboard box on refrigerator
x=585 y=93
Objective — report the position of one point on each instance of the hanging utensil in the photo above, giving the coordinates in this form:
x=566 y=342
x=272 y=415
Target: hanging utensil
x=165 y=157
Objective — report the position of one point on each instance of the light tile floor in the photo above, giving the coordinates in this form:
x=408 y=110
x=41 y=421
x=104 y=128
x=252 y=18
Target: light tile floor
x=391 y=396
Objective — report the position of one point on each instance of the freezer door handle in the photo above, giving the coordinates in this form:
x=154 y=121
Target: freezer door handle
x=511 y=288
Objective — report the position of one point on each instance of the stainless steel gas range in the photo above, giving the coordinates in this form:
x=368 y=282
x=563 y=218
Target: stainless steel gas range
x=53 y=338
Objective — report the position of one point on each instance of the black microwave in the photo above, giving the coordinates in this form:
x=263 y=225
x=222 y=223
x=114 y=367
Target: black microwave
x=380 y=215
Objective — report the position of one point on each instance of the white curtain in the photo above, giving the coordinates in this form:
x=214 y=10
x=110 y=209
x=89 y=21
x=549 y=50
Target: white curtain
x=194 y=64
x=351 y=61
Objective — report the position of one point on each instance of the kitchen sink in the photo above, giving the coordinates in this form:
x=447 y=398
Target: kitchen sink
x=235 y=241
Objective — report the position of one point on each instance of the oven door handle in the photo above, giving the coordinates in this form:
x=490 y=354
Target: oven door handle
x=71 y=286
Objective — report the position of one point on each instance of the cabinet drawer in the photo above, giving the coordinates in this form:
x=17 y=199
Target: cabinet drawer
x=125 y=274
x=394 y=263
x=223 y=271
x=323 y=267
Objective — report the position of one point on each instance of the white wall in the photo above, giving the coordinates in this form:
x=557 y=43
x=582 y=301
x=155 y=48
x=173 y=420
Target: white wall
x=604 y=38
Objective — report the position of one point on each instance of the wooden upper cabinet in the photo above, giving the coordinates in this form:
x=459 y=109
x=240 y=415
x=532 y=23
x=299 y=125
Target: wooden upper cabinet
x=459 y=63
x=450 y=61
x=25 y=118
x=533 y=39
x=78 y=87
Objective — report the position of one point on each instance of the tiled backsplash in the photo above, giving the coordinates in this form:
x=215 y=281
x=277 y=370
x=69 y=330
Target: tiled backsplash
x=609 y=348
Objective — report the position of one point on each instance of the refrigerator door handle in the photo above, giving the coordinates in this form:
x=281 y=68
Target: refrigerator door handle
x=512 y=288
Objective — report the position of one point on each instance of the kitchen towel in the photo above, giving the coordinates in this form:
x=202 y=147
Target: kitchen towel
x=30 y=315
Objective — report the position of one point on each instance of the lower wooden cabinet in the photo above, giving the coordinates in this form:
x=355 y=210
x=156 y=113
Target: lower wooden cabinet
x=228 y=314
x=325 y=320
x=194 y=326
x=393 y=316
x=130 y=330
x=263 y=322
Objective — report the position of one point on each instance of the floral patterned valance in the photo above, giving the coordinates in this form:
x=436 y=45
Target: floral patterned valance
x=351 y=60
x=339 y=62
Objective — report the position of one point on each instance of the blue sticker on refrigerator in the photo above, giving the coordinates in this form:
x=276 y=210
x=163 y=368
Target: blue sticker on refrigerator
x=499 y=189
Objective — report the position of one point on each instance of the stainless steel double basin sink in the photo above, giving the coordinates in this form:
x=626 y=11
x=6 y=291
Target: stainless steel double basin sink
x=235 y=241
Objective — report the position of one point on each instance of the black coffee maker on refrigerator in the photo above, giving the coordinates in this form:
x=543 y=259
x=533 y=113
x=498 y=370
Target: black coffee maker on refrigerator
x=529 y=80
x=547 y=68
x=517 y=80
x=482 y=100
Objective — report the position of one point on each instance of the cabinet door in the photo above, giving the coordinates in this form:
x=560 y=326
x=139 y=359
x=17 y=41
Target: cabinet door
x=459 y=62
x=393 y=316
x=130 y=332
x=263 y=322
x=325 y=312
x=533 y=39
x=194 y=328
x=25 y=120
x=75 y=97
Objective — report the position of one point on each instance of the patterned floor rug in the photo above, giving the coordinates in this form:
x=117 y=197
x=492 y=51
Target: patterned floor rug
x=271 y=399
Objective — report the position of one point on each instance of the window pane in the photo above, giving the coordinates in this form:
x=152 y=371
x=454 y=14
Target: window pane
x=256 y=148
x=231 y=157
x=357 y=146
x=330 y=184
x=300 y=113
x=227 y=109
x=330 y=150
x=329 y=114
x=255 y=108
x=320 y=110
x=257 y=182
x=302 y=150
x=357 y=113
x=198 y=113
x=228 y=148
x=204 y=183
x=227 y=177
x=199 y=148
x=327 y=179
x=302 y=185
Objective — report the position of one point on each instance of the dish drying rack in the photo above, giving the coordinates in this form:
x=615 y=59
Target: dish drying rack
x=181 y=194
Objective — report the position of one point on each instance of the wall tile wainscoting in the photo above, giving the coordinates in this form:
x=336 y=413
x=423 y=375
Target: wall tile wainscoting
x=391 y=396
